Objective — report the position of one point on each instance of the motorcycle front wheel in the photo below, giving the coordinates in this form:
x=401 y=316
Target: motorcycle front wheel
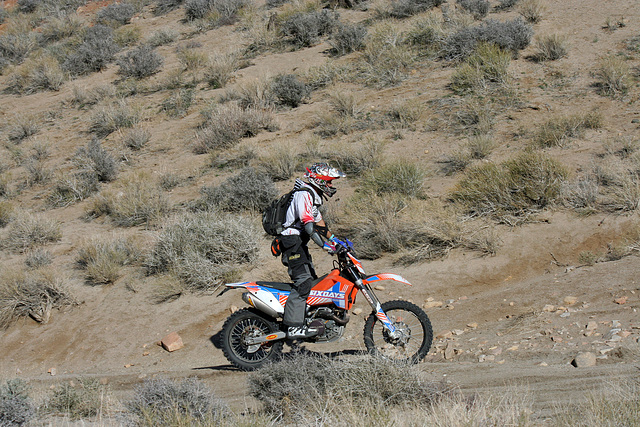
x=237 y=328
x=414 y=337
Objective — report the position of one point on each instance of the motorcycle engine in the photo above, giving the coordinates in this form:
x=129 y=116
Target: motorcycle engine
x=329 y=330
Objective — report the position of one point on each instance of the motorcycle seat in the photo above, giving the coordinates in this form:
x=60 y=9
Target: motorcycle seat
x=276 y=285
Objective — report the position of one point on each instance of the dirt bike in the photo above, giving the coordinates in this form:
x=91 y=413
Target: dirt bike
x=397 y=330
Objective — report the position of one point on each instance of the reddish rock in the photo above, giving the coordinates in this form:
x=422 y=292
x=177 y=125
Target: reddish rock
x=172 y=342
x=621 y=300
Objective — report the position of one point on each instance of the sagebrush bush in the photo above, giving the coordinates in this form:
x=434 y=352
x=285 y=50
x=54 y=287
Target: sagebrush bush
x=165 y=6
x=356 y=160
x=136 y=138
x=96 y=160
x=487 y=69
x=406 y=113
x=115 y=14
x=289 y=90
x=197 y=9
x=558 y=130
x=248 y=190
x=398 y=177
x=27 y=231
x=31 y=294
x=6 y=212
x=254 y=94
x=204 y=249
x=165 y=402
x=406 y=8
x=16 y=408
x=220 y=69
x=347 y=38
x=512 y=190
x=303 y=388
x=613 y=75
x=386 y=58
x=84 y=399
x=426 y=35
x=507 y=4
x=550 y=47
x=581 y=194
x=478 y=8
x=226 y=125
x=97 y=50
x=512 y=35
x=114 y=116
x=281 y=162
x=142 y=61
x=304 y=29
x=58 y=28
x=83 y=96
x=139 y=201
x=3 y=14
x=27 y=6
x=103 y=259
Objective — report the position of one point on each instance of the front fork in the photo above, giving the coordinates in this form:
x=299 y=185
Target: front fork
x=373 y=300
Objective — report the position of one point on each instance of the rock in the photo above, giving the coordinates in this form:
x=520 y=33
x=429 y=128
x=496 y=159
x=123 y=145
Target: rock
x=357 y=311
x=584 y=360
x=233 y=309
x=52 y=371
x=495 y=351
x=457 y=332
x=449 y=351
x=444 y=334
x=172 y=342
x=513 y=348
x=592 y=326
x=146 y=353
x=379 y=288
x=432 y=304
x=565 y=314
x=621 y=300
x=624 y=334
x=570 y=300
x=549 y=308
x=472 y=325
x=543 y=364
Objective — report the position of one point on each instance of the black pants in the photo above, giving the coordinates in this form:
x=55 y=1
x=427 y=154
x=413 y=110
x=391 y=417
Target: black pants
x=296 y=256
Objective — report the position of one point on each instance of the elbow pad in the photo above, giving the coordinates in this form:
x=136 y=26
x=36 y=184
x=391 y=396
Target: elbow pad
x=310 y=230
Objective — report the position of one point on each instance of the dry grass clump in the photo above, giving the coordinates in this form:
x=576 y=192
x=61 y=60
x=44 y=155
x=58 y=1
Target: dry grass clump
x=94 y=159
x=16 y=408
x=281 y=162
x=72 y=187
x=614 y=76
x=137 y=201
x=115 y=14
x=386 y=58
x=220 y=70
x=304 y=389
x=346 y=111
x=227 y=124
x=550 y=47
x=487 y=69
x=558 y=130
x=204 y=249
x=531 y=10
x=400 y=177
x=112 y=117
x=164 y=402
x=37 y=74
x=249 y=190
x=136 y=138
x=512 y=190
x=405 y=114
x=23 y=127
x=177 y=104
x=6 y=212
x=581 y=194
x=31 y=294
x=27 y=231
x=38 y=258
x=356 y=159
x=162 y=37
x=79 y=400
x=83 y=97
x=104 y=258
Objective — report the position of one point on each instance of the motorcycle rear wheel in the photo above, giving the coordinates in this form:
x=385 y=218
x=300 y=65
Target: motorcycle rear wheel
x=244 y=323
x=416 y=334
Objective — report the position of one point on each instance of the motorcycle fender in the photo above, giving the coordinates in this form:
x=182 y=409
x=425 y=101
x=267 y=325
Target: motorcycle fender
x=267 y=298
x=386 y=276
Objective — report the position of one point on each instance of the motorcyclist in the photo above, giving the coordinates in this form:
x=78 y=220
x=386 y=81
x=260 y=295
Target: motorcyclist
x=304 y=222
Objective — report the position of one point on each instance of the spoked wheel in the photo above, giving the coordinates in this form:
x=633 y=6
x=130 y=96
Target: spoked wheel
x=413 y=336
x=244 y=324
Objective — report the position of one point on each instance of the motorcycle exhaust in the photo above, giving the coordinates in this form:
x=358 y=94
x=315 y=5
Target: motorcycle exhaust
x=260 y=305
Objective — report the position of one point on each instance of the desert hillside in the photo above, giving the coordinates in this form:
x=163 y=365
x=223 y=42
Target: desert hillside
x=492 y=153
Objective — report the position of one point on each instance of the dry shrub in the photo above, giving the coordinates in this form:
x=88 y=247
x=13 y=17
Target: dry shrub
x=220 y=70
x=164 y=402
x=614 y=76
x=97 y=50
x=27 y=231
x=487 y=69
x=31 y=294
x=136 y=138
x=204 y=249
x=22 y=127
x=37 y=74
x=512 y=190
x=249 y=190
x=558 y=130
x=531 y=10
x=581 y=194
x=226 y=125
x=386 y=58
x=127 y=36
x=177 y=104
x=400 y=177
x=104 y=258
x=406 y=113
x=95 y=159
x=550 y=47
x=355 y=159
x=235 y=158
x=137 y=201
x=478 y=8
x=38 y=258
x=82 y=399
x=140 y=62
x=348 y=38
x=162 y=37
x=342 y=119
x=289 y=90
x=83 y=97
x=16 y=408
x=305 y=388
x=110 y=118
x=281 y=163
x=304 y=29
x=72 y=187
x=6 y=212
